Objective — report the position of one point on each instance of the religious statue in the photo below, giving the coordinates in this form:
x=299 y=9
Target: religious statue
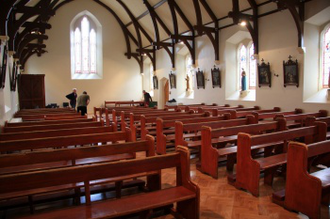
x=187 y=83
x=243 y=80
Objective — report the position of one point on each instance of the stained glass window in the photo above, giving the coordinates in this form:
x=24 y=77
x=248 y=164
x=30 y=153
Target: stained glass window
x=252 y=68
x=189 y=77
x=248 y=63
x=326 y=57
x=77 y=48
x=85 y=48
x=241 y=61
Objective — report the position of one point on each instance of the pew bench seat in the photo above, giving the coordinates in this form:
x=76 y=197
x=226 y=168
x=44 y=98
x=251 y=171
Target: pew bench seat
x=119 y=207
x=324 y=176
x=221 y=140
x=66 y=163
x=272 y=161
x=80 y=185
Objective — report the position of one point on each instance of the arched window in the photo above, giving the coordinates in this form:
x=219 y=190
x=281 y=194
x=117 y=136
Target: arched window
x=151 y=80
x=252 y=68
x=325 y=59
x=247 y=62
x=189 y=76
x=86 y=47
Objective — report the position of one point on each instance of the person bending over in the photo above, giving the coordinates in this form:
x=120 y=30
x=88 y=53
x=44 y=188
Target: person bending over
x=83 y=101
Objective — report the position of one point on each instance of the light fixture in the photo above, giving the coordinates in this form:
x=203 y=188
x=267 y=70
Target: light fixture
x=143 y=54
x=243 y=23
x=181 y=42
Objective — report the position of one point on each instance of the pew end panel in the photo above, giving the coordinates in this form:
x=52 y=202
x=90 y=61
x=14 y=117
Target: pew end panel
x=161 y=138
x=303 y=191
x=189 y=208
x=209 y=154
x=245 y=178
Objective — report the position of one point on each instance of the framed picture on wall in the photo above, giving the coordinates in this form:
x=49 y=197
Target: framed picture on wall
x=172 y=80
x=291 y=74
x=200 y=79
x=3 y=66
x=216 y=77
x=155 y=82
x=264 y=74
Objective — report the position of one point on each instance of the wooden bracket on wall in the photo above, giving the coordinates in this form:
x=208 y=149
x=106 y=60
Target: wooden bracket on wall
x=169 y=48
x=251 y=21
x=297 y=10
x=211 y=32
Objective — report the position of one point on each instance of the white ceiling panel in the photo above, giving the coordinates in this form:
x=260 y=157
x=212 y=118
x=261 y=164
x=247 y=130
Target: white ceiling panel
x=118 y=9
x=166 y=16
x=188 y=9
x=135 y=6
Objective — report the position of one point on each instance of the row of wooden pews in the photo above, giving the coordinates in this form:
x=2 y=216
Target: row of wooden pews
x=44 y=161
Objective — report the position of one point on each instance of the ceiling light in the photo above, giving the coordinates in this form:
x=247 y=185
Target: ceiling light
x=243 y=23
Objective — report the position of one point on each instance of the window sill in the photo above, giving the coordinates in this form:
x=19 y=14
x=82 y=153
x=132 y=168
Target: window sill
x=323 y=96
x=187 y=95
x=250 y=96
x=85 y=77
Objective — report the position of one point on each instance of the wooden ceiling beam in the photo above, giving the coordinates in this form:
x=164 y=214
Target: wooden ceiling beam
x=127 y=34
x=137 y=25
x=251 y=21
x=147 y=12
x=297 y=10
x=5 y=9
x=153 y=19
x=174 y=19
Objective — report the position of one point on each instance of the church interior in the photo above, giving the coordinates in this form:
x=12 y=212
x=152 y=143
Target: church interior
x=194 y=109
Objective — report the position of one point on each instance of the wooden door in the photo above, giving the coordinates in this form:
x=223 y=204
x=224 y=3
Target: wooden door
x=166 y=92
x=31 y=91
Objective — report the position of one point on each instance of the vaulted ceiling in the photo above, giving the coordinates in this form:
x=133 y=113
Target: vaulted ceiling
x=148 y=25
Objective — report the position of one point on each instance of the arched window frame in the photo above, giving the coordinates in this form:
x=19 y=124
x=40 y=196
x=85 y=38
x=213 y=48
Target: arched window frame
x=250 y=64
x=324 y=63
x=85 y=27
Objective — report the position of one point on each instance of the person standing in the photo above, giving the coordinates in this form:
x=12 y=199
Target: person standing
x=147 y=98
x=83 y=101
x=73 y=98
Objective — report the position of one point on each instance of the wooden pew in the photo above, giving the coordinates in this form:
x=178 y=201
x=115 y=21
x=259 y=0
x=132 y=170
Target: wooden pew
x=310 y=121
x=52 y=126
x=130 y=103
x=98 y=114
x=185 y=194
x=166 y=129
x=53 y=133
x=272 y=115
x=50 y=116
x=240 y=114
x=181 y=128
x=303 y=190
x=298 y=120
x=148 y=122
x=27 y=162
x=119 y=114
x=135 y=117
x=248 y=169
x=65 y=141
x=210 y=155
x=19 y=124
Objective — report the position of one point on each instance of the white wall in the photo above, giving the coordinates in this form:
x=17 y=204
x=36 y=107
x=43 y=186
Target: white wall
x=8 y=99
x=277 y=40
x=121 y=77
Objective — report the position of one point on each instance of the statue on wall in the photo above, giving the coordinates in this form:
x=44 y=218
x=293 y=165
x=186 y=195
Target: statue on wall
x=187 y=83
x=243 y=80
